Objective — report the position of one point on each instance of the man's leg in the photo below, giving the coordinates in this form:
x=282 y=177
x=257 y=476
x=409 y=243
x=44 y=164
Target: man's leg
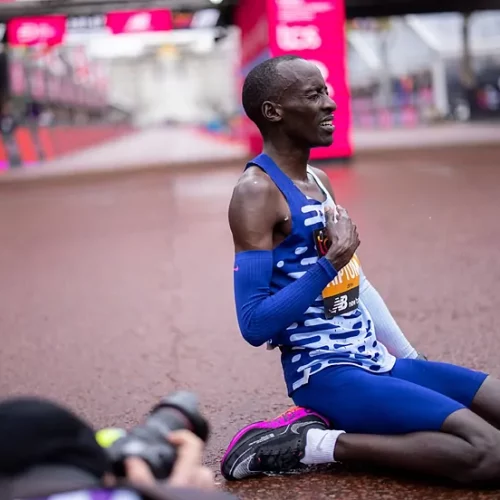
x=431 y=433
x=476 y=390
x=465 y=450
x=486 y=402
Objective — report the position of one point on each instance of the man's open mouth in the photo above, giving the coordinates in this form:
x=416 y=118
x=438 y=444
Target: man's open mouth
x=327 y=124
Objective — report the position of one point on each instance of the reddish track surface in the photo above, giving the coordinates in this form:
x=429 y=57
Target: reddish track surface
x=119 y=290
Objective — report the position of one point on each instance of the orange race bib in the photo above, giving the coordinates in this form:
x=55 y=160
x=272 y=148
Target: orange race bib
x=341 y=295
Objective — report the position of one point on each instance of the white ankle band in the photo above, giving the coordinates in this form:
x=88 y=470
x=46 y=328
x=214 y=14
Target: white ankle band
x=320 y=446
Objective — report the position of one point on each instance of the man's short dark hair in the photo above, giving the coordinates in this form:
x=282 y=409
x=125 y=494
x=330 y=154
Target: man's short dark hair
x=263 y=83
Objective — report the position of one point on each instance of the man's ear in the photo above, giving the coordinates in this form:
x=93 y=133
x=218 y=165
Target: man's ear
x=271 y=111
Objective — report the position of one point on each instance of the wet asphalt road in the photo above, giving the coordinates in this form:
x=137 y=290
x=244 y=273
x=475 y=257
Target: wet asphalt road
x=116 y=291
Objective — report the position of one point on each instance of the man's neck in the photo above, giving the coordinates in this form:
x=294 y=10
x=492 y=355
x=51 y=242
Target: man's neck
x=292 y=160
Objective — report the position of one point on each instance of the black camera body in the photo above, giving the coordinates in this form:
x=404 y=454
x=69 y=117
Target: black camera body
x=149 y=441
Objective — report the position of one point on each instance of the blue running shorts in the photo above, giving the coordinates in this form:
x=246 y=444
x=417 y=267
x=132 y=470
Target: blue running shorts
x=416 y=395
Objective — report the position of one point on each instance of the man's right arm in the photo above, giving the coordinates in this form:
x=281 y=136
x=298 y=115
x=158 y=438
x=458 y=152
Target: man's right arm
x=253 y=215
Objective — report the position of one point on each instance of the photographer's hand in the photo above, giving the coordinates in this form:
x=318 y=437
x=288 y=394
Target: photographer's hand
x=188 y=471
x=138 y=471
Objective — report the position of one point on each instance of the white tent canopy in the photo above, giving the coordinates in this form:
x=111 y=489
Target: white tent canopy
x=415 y=41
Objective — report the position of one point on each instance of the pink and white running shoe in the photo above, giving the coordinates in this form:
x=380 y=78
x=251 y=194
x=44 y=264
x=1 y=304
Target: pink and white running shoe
x=271 y=446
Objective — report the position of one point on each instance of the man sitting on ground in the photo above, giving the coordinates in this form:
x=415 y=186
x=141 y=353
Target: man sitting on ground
x=299 y=286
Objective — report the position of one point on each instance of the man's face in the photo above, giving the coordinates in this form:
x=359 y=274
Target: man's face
x=305 y=110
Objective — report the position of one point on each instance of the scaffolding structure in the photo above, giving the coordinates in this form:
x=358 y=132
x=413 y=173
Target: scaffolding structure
x=429 y=52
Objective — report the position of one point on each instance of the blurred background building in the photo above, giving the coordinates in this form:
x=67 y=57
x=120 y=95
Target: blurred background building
x=414 y=64
x=80 y=72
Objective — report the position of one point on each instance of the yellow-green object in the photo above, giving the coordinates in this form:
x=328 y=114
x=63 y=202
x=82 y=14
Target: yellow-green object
x=107 y=436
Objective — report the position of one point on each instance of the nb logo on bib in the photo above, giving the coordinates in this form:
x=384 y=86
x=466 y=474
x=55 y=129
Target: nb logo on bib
x=341 y=295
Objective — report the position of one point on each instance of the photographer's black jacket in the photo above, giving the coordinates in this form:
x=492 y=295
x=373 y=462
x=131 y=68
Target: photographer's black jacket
x=43 y=482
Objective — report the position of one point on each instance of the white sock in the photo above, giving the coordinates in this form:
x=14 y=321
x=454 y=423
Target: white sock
x=320 y=446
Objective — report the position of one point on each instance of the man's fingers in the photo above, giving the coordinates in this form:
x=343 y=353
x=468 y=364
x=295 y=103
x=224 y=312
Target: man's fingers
x=341 y=211
x=329 y=214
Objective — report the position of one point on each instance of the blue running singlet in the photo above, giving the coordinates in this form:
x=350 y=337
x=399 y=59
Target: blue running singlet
x=337 y=328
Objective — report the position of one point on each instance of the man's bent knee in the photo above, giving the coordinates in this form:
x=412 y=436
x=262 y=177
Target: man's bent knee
x=481 y=466
x=481 y=459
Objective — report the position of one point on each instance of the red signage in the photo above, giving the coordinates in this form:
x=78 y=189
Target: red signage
x=48 y=30
x=182 y=20
x=314 y=29
x=139 y=21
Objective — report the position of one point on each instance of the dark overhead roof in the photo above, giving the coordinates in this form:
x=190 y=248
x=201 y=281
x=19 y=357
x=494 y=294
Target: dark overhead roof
x=85 y=7
x=381 y=8
x=355 y=8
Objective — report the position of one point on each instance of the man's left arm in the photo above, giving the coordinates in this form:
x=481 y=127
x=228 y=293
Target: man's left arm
x=387 y=330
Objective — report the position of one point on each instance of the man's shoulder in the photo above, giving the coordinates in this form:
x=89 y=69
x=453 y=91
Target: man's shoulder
x=320 y=173
x=255 y=200
x=254 y=183
x=323 y=177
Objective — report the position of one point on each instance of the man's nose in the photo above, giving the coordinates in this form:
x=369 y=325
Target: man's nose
x=329 y=104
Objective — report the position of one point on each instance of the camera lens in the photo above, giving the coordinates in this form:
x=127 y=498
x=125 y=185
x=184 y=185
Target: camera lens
x=149 y=441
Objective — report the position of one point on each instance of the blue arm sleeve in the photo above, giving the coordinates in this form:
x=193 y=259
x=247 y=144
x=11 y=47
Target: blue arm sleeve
x=261 y=315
